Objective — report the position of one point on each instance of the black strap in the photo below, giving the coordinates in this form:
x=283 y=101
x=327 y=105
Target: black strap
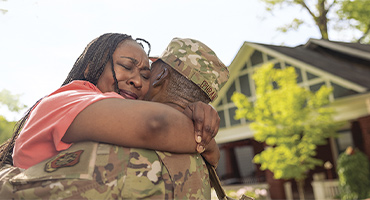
x=216 y=183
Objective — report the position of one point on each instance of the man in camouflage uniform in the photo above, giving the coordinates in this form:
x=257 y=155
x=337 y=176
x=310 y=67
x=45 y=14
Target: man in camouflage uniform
x=90 y=170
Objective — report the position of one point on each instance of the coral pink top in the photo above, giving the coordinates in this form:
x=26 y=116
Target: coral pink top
x=41 y=135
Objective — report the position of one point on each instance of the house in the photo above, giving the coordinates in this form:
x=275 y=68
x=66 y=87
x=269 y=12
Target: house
x=343 y=66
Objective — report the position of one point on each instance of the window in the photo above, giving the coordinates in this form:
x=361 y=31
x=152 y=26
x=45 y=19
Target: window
x=299 y=74
x=277 y=66
x=344 y=140
x=244 y=85
x=311 y=76
x=316 y=87
x=232 y=115
x=221 y=113
x=230 y=92
x=340 y=91
x=256 y=58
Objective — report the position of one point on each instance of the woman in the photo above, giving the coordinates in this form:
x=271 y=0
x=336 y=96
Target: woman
x=111 y=72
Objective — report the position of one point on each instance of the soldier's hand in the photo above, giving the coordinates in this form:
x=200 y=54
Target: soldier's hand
x=206 y=123
x=212 y=153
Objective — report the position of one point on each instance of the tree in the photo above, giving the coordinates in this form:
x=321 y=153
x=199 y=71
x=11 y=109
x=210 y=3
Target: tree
x=14 y=105
x=353 y=13
x=358 y=12
x=11 y=101
x=3 y=11
x=6 y=129
x=290 y=120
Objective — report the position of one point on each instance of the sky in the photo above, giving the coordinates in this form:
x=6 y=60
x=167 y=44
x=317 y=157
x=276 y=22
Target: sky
x=41 y=39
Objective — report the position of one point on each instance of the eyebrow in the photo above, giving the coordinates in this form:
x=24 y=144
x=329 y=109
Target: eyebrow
x=135 y=62
x=132 y=59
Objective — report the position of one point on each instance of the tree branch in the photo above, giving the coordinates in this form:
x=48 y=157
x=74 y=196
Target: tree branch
x=365 y=34
x=308 y=9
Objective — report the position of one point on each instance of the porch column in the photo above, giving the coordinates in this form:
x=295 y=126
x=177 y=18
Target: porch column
x=364 y=123
x=232 y=167
x=276 y=186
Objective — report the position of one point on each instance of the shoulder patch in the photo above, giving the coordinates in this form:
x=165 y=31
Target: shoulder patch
x=63 y=160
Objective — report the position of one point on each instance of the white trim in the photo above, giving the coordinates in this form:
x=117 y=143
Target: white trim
x=235 y=133
x=352 y=107
x=341 y=48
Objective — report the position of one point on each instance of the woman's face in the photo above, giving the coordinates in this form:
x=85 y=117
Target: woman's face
x=131 y=65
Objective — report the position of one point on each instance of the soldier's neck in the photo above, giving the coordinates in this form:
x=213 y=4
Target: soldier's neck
x=178 y=107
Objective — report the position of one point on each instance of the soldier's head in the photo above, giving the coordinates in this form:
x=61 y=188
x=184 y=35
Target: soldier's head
x=186 y=72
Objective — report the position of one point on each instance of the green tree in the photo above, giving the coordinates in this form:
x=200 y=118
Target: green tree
x=6 y=129
x=354 y=174
x=14 y=105
x=290 y=120
x=352 y=13
x=357 y=11
x=3 y=11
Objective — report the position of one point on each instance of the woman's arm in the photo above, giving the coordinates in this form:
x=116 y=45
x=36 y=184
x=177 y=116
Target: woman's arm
x=132 y=123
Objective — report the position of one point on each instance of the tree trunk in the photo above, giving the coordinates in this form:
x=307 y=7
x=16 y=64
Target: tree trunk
x=300 y=186
x=322 y=20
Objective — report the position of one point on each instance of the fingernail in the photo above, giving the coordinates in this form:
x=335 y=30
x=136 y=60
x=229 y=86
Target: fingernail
x=199 y=139
x=200 y=149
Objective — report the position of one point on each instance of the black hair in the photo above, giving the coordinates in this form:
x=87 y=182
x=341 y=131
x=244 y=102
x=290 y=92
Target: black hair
x=96 y=55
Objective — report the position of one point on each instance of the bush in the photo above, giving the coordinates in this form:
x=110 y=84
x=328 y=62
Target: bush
x=256 y=193
x=354 y=174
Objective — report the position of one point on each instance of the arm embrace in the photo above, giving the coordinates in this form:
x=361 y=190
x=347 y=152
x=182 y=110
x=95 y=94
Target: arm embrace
x=133 y=123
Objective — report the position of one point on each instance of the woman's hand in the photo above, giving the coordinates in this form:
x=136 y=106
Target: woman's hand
x=206 y=123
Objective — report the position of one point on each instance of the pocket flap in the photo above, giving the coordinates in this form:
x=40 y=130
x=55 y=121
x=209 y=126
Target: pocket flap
x=78 y=161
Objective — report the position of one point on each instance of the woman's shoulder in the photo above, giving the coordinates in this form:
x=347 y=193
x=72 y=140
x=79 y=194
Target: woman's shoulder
x=78 y=85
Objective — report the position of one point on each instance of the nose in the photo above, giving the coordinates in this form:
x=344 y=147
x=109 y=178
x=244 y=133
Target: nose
x=135 y=80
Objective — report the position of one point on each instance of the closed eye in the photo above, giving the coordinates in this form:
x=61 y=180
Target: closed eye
x=146 y=74
x=124 y=66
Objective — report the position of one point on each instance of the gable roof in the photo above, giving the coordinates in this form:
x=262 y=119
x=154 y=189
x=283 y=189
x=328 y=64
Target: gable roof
x=347 y=60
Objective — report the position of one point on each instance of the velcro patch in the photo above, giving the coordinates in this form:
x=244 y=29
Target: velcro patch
x=64 y=160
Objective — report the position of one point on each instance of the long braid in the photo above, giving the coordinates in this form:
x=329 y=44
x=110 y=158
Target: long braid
x=96 y=55
x=140 y=39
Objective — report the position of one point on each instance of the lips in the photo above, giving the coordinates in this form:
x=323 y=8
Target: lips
x=128 y=95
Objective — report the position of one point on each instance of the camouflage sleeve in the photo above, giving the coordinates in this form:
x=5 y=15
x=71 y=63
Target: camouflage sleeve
x=91 y=170
x=189 y=175
x=88 y=171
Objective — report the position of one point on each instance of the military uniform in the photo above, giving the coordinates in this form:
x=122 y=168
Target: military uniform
x=90 y=170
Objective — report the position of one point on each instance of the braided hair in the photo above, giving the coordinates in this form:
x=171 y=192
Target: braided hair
x=96 y=55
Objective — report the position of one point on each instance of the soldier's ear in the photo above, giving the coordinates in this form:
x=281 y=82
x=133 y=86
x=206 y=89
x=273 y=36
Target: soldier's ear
x=161 y=77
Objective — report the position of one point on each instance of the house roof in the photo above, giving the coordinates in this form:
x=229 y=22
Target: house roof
x=350 y=61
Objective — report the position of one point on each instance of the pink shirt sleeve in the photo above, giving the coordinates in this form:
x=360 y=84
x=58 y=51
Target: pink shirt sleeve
x=41 y=136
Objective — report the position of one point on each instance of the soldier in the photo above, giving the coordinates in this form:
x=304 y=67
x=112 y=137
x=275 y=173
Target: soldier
x=186 y=72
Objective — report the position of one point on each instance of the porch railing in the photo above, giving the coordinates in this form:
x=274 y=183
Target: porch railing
x=326 y=189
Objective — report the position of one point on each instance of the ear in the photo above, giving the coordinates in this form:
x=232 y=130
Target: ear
x=161 y=78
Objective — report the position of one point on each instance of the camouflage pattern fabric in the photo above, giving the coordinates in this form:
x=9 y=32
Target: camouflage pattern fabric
x=198 y=63
x=89 y=170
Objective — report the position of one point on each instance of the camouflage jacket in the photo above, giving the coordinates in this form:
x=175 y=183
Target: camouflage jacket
x=89 y=170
